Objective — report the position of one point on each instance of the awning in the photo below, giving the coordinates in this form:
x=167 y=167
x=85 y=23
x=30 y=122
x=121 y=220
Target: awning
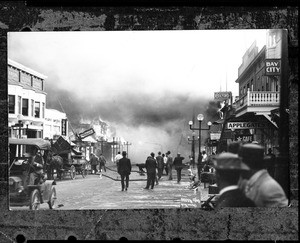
x=37 y=142
x=270 y=120
x=220 y=121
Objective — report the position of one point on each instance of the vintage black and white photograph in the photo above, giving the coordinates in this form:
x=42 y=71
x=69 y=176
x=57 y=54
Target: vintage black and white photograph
x=147 y=119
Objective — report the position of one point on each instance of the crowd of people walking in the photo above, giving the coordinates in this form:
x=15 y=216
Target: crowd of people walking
x=241 y=174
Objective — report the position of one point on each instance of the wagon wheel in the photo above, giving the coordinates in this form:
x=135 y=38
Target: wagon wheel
x=35 y=200
x=52 y=198
x=72 y=172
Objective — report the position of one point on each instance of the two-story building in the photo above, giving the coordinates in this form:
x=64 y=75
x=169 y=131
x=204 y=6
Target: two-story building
x=258 y=97
x=26 y=101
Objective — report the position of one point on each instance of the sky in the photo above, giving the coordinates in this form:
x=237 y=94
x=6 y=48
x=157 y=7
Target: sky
x=145 y=84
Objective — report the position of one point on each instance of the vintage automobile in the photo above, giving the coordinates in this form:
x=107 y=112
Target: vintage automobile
x=20 y=193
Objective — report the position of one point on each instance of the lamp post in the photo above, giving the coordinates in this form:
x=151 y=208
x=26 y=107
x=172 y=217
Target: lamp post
x=193 y=147
x=200 y=118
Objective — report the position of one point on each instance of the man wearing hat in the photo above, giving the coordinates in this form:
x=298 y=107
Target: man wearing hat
x=151 y=166
x=228 y=168
x=169 y=164
x=94 y=161
x=35 y=167
x=257 y=183
x=124 y=169
x=178 y=166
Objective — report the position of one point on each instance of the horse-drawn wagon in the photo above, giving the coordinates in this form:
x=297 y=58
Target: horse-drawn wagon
x=67 y=160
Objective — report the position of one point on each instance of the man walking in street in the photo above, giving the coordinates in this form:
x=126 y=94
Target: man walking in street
x=124 y=169
x=160 y=165
x=118 y=157
x=169 y=164
x=94 y=162
x=165 y=163
x=102 y=162
x=150 y=166
x=199 y=166
x=178 y=166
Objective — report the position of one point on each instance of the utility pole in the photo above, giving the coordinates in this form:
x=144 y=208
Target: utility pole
x=127 y=144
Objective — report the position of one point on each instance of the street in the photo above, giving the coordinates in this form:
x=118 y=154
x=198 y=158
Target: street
x=93 y=192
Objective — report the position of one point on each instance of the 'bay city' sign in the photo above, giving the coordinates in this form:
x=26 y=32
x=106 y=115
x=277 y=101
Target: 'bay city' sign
x=245 y=125
x=273 y=66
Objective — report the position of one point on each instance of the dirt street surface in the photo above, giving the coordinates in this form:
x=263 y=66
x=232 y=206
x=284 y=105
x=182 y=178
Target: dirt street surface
x=98 y=193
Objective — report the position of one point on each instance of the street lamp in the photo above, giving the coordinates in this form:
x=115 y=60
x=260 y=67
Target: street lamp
x=200 y=118
x=193 y=148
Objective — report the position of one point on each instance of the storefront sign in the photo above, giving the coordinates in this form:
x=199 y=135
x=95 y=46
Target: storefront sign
x=64 y=127
x=245 y=125
x=87 y=133
x=215 y=136
x=273 y=67
x=221 y=96
x=244 y=138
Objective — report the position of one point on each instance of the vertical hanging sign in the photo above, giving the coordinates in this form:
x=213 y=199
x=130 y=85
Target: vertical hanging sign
x=64 y=127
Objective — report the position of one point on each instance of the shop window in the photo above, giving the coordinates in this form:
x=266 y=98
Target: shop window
x=43 y=110
x=32 y=108
x=37 y=110
x=25 y=107
x=11 y=104
x=19 y=104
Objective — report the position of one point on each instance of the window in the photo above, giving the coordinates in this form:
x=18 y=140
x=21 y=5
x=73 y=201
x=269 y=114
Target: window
x=19 y=104
x=25 y=107
x=11 y=104
x=32 y=107
x=251 y=84
x=43 y=110
x=244 y=91
x=248 y=86
x=37 y=109
x=262 y=88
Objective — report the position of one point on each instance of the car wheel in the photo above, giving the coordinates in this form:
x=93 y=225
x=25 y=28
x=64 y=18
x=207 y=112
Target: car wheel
x=35 y=200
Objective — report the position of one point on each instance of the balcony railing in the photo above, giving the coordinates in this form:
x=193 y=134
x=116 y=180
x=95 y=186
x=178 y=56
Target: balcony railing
x=258 y=98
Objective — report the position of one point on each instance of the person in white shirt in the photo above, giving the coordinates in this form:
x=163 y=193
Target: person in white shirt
x=118 y=157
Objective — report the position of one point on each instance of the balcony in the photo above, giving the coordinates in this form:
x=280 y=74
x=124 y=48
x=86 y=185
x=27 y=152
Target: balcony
x=259 y=102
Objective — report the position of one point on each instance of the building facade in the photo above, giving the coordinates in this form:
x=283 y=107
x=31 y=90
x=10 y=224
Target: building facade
x=26 y=101
x=55 y=124
x=251 y=119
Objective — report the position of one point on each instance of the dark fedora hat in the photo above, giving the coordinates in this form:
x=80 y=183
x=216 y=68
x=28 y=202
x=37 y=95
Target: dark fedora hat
x=234 y=147
x=252 y=154
x=229 y=161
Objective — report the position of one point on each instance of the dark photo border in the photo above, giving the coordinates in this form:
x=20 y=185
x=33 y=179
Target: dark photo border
x=150 y=224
